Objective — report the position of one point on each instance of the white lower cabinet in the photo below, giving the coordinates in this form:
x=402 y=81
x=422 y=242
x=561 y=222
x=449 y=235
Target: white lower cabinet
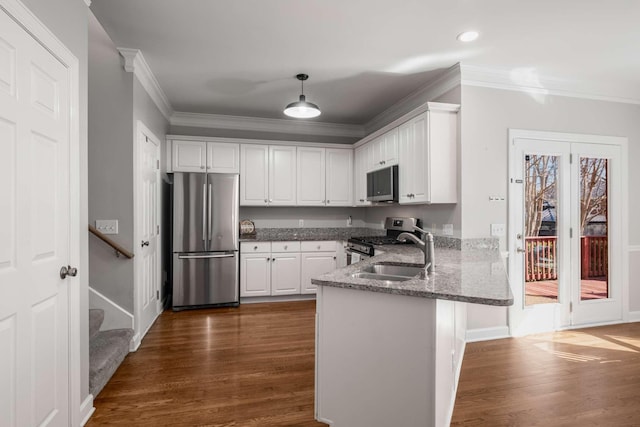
x=284 y=268
x=255 y=275
x=315 y=264
x=285 y=274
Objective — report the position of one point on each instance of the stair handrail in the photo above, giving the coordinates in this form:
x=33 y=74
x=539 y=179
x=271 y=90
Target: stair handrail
x=119 y=249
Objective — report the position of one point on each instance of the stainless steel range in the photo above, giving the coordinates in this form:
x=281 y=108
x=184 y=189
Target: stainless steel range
x=359 y=248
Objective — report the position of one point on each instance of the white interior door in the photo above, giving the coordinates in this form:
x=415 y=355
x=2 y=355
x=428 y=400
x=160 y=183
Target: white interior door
x=147 y=230
x=565 y=233
x=34 y=232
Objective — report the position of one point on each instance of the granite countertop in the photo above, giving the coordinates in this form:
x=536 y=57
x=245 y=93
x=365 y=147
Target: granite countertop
x=306 y=234
x=474 y=276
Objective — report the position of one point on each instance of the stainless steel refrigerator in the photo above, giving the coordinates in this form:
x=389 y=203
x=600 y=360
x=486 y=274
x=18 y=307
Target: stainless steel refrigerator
x=205 y=240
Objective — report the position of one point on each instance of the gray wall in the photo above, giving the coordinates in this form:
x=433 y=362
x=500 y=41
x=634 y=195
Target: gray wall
x=110 y=165
x=487 y=116
x=287 y=217
x=67 y=20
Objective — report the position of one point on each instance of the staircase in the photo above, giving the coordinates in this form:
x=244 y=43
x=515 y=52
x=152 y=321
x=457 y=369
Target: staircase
x=107 y=350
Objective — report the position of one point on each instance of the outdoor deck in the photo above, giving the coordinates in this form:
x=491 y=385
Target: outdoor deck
x=546 y=291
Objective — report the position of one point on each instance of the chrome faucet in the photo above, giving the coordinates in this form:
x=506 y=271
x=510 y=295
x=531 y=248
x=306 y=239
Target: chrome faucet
x=425 y=244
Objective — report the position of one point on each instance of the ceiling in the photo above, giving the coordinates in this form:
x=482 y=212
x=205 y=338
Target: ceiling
x=240 y=57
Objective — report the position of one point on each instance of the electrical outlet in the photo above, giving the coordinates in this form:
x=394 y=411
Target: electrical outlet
x=107 y=226
x=301 y=223
x=447 y=229
x=497 y=230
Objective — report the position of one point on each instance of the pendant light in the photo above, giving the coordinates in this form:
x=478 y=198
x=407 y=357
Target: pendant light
x=302 y=109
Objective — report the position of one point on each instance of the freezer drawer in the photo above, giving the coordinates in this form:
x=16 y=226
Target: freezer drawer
x=205 y=279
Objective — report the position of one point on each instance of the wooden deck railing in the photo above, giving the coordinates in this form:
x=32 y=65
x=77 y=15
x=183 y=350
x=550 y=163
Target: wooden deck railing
x=540 y=258
x=541 y=255
x=595 y=256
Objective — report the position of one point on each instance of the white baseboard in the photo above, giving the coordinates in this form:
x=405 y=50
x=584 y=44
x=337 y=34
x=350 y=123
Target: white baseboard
x=281 y=298
x=115 y=317
x=135 y=342
x=634 y=316
x=486 y=334
x=86 y=409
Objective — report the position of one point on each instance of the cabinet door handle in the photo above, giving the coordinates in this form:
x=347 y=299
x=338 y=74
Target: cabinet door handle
x=334 y=258
x=201 y=167
x=285 y=248
x=319 y=247
x=362 y=200
x=328 y=201
x=268 y=259
x=266 y=201
x=255 y=248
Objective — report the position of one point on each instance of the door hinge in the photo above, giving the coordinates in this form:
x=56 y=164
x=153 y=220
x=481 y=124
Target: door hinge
x=570 y=158
x=571 y=307
x=146 y=138
x=571 y=233
x=157 y=295
x=157 y=164
x=157 y=229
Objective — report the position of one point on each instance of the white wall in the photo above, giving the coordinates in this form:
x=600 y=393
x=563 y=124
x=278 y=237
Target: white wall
x=487 y=116
x=67 y=20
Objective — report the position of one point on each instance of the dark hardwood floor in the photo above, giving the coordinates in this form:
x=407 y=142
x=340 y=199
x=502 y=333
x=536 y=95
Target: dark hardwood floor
x=254 y=366
x=247 y=366
x=586 y=377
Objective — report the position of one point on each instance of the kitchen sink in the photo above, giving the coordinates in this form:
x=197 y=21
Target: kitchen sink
x=393 y=270
x=388 y=273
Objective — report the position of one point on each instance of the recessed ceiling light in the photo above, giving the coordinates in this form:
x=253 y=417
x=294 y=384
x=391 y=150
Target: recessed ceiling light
x=468 y=36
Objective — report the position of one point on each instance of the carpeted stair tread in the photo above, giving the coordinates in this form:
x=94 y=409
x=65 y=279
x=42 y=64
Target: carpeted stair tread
x=107 y=349
x=96 y=317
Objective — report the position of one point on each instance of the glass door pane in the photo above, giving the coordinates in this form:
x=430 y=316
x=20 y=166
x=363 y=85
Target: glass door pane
x=594 y=222
x=540 y=226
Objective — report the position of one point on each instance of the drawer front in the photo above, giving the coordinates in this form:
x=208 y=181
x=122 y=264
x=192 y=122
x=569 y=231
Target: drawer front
x=318 y=246
x=255 y=247
x=285 y=246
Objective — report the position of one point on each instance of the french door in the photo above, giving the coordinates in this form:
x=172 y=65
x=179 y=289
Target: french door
x=565 y=225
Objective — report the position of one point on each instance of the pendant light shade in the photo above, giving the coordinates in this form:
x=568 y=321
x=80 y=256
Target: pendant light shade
x=302 y=109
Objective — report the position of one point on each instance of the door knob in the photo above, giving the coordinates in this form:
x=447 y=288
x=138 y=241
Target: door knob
x=520 y=250
x=144 y=243
x=68 y=271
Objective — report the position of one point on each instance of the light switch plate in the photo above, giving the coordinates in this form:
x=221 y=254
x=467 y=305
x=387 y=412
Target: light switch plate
x=447 y=229
x=107 y=226
x=497 y=230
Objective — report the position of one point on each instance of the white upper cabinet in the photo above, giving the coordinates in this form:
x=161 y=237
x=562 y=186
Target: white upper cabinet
x=311 y=176
x=223 y=157
x=189 y=156
x=383 y=151
x=205 y=156
x=339 y=191
x=282 y=175
x=427 y=162
x=254 y=175
x=322 y=175
x=360 y=175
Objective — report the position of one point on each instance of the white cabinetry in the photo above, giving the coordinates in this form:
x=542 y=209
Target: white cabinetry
x=311 y=176
x=189 y=156
x=318 y=257
x=360 y=175
x=267 y=175
x=339 y=177
x=284 y=268
x=255 y=269
x=223 y=157
x=204 y=156
x=428 y=156
x=384 y=150
x=322 y=174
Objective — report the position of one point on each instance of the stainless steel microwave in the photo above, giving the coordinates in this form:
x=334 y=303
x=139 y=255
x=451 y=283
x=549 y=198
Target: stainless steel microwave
x=382 y=185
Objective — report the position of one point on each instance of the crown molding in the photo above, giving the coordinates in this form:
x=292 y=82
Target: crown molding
x=441 y=85
x=135 y=63
x=472 y=75
x=258 y=124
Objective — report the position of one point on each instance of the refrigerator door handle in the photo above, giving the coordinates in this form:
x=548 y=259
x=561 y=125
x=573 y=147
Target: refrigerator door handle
x=209 y=203
x=208 y=256
x=204 y=213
